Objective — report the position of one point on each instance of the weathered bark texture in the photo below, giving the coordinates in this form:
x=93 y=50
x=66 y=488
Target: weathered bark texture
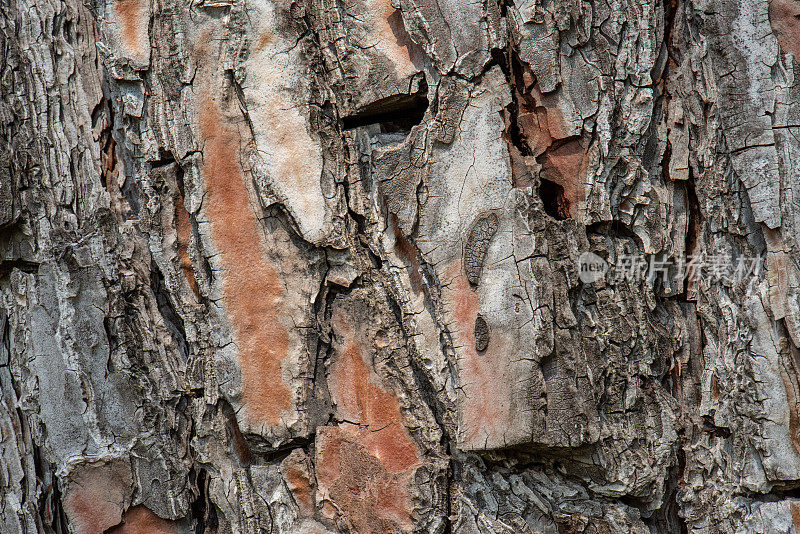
x=310 y=266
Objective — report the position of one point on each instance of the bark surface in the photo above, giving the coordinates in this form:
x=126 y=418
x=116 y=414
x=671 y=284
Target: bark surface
x=311 y=266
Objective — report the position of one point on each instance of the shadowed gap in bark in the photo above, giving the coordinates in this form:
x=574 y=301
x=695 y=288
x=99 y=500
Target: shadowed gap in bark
x=396 y=113
x=555 y=203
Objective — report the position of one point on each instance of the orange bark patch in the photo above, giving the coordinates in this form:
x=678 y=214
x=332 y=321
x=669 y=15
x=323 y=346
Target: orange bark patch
x=539 y=120
x=371 y=499
x=534 y=129
x=783 y=16
x=402 y=39
x=251 y=286
x=140 y=520
x=465 y=306
x=790 y=369
x=715 y=387
x=365 y=465
x=388 y=36
x=133 y=18
x=201 y=47
x=777 y=273
x=265 y=39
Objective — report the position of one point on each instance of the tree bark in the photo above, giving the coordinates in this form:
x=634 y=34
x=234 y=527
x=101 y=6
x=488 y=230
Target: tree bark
x=316 y=266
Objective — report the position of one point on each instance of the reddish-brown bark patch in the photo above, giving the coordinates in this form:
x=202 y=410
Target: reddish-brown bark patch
x=251 y=286
x=795 y=508
x=778 y=278
x=387 y=36
x=370 y=498
x=783 y=16
x=96 y=496
x=565 y=165
x=715 y=387
x=297 y=473
x=534 y=128
x=364 y=466
x=777 y=273
x=132 y=15
x=376 y=411
x=485 y=410
x=200 y=48
x=535 y=131
x=790 y=369
x=539 y=120
x=266 y=38
x=465 y=305
x=402 y=39
x=141 y=520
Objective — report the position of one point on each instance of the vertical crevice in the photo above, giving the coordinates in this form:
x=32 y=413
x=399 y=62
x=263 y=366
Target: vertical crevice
x=203 y=509
x=692 y=244
x=172 y=320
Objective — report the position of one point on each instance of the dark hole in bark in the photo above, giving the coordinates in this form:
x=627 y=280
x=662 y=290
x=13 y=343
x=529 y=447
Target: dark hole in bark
x=718 y=431
x=396 y=113
x=555 y=203
x=6 y=266
x=549 y=366
x=165 y=157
